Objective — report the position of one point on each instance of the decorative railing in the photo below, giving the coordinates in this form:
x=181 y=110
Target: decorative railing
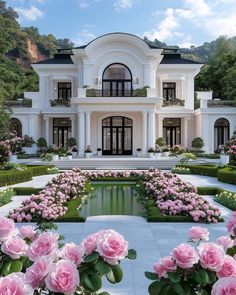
x=19 y=103
x=173 y=102
x=140 y=92
x=217 y=103
x=60 y=102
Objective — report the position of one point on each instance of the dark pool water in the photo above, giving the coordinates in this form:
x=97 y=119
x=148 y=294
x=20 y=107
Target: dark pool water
x=113 y=198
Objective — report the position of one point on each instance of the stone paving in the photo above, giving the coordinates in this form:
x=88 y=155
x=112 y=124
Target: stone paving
x=151 y=240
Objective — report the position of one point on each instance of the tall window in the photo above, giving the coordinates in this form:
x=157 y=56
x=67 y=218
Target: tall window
x=169 y=90
x=221 y=132
x=117 y=81
x=172 y=131
x=64 y=90
x=16 y=126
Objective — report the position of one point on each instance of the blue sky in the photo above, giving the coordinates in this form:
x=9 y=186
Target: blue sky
x=176 y=22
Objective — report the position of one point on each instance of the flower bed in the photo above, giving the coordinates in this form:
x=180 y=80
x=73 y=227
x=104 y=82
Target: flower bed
x=228 y=199
x=5 y=196
x=169 y=195
x=204 y=268
x=35 y=262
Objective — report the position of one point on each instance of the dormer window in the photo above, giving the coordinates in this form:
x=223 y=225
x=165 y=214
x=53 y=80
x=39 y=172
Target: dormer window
x=64 y=90
x=169 y=90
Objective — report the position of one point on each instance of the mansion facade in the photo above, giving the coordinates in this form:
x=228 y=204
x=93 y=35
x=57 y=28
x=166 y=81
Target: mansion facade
x=118 y=93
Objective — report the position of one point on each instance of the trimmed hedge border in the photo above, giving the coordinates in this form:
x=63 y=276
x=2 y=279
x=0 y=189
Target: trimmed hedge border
x=227 y=175
x=26 y=191
x=16 y=176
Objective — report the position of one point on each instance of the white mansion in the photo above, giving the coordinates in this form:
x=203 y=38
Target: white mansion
x=119 y=94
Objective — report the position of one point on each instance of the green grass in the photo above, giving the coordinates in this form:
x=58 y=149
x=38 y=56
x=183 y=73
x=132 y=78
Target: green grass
x=6 y=197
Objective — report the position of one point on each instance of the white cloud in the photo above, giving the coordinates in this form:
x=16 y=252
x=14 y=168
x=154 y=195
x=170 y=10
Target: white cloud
x=198 y=7
x=32 y=13
x=84 y=37
x=83 y=4
x=123 y=4
x=221 y=26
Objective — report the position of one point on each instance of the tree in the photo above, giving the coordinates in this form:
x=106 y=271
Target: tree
x=4 y=120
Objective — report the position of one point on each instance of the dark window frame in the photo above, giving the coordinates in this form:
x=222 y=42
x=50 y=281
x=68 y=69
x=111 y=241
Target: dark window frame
x=64 y=90
x=221 y=126
x=169 y=90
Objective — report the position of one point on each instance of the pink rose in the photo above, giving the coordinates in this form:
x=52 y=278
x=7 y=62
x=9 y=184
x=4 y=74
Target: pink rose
x=166 y=264
x=36 y=273
x=224 y=286
x=45 y=245
x=211 y=256
x=225 y=241
x=7 y=228
x=228 y=268
x=15 y=247
x=185 y=256
x=90 y=244
x=198 y=233
x=73 y=252
x=63 y=277
x=112 y=246
x=14 y=284
x=27 y=231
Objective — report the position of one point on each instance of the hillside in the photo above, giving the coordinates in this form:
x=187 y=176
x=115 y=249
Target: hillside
x=19 y=47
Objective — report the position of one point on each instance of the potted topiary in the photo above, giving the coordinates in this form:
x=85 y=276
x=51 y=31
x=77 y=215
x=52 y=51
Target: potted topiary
x=161 y=142
x=157 y=151
x=69 y=155
x=99 y=152
x=74 y=151
x=197 y=144
x=42 y=144
x=151 y=152
x=165 y=151
x=88 y=151
x=71 y=142
x=139 y=152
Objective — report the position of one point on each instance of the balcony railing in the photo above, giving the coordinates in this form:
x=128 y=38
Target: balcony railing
x=60 y=102
x=217 y=103
x=19 y=103
x=116 y=93
x=173 y=102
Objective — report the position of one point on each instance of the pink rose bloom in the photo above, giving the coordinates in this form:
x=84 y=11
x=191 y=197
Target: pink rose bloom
x=166 y=264
x=7 y=228
x=198 y=233
x=211 y=256
x=15 y=247
x=90 y=244
x=36 y=273
x=14 y=284
x=27 y=231
x=63 y=277
x=228 y=268
x=45 y=245
x=184 y=256
x=224 y=286
x=73 y=252
x=112 y=246
x=225 y=241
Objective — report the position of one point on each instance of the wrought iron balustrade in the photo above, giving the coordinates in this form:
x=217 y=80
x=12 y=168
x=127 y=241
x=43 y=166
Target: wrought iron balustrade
x=116 y=93
x=20 y=103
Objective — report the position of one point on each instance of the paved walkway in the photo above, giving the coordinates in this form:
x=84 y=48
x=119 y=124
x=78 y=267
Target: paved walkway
x=151 y=240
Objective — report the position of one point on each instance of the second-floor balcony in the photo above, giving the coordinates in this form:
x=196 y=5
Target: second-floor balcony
x=60 y=102
x=18 y=103
x=140 y=92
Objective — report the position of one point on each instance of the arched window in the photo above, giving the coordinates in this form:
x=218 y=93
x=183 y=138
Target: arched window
x=16 y=126
x=221 y=132
x=117 y=81
x=117 y=136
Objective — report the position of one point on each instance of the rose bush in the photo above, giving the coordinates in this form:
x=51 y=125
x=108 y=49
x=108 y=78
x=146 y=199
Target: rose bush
x=202 y=269
x=34 y=262
x=171 y=195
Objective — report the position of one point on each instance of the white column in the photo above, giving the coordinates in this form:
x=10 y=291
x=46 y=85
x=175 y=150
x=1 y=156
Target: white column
x=186 y=135
x=189 y=100
x=151 y=128
x=205 y=132
x=81 y=129
x=47 y=130
x=88 y=127
x=72 y=127
x=160 y=126
x=145 y=131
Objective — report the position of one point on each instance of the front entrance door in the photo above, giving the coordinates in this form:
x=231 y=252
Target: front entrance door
x=117 y=136
x=61 y=131
x=172 y=131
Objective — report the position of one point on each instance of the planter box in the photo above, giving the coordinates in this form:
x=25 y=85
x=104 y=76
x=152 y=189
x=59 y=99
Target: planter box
x=30 y=150
x=99 y=154
x=69 y=157
x=139 y=154
x=88 y=155
x=157 y=155
x=224 y=159
x=151 y=155
x=165 y=154
x=74 y=154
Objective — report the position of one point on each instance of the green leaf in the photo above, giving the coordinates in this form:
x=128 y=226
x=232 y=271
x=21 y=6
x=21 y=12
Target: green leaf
x=212 y=276
x=6 y=268
x=203 y=292
x=151 y=275
x=92 y=257
x=115 y=275
x=174 y=277
x=201 y=277
x=179 y=289
x=93 y=282
x=16 y=266
x=104 y=293
x=132 y=254
x=155 y=288
x=103 y=268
